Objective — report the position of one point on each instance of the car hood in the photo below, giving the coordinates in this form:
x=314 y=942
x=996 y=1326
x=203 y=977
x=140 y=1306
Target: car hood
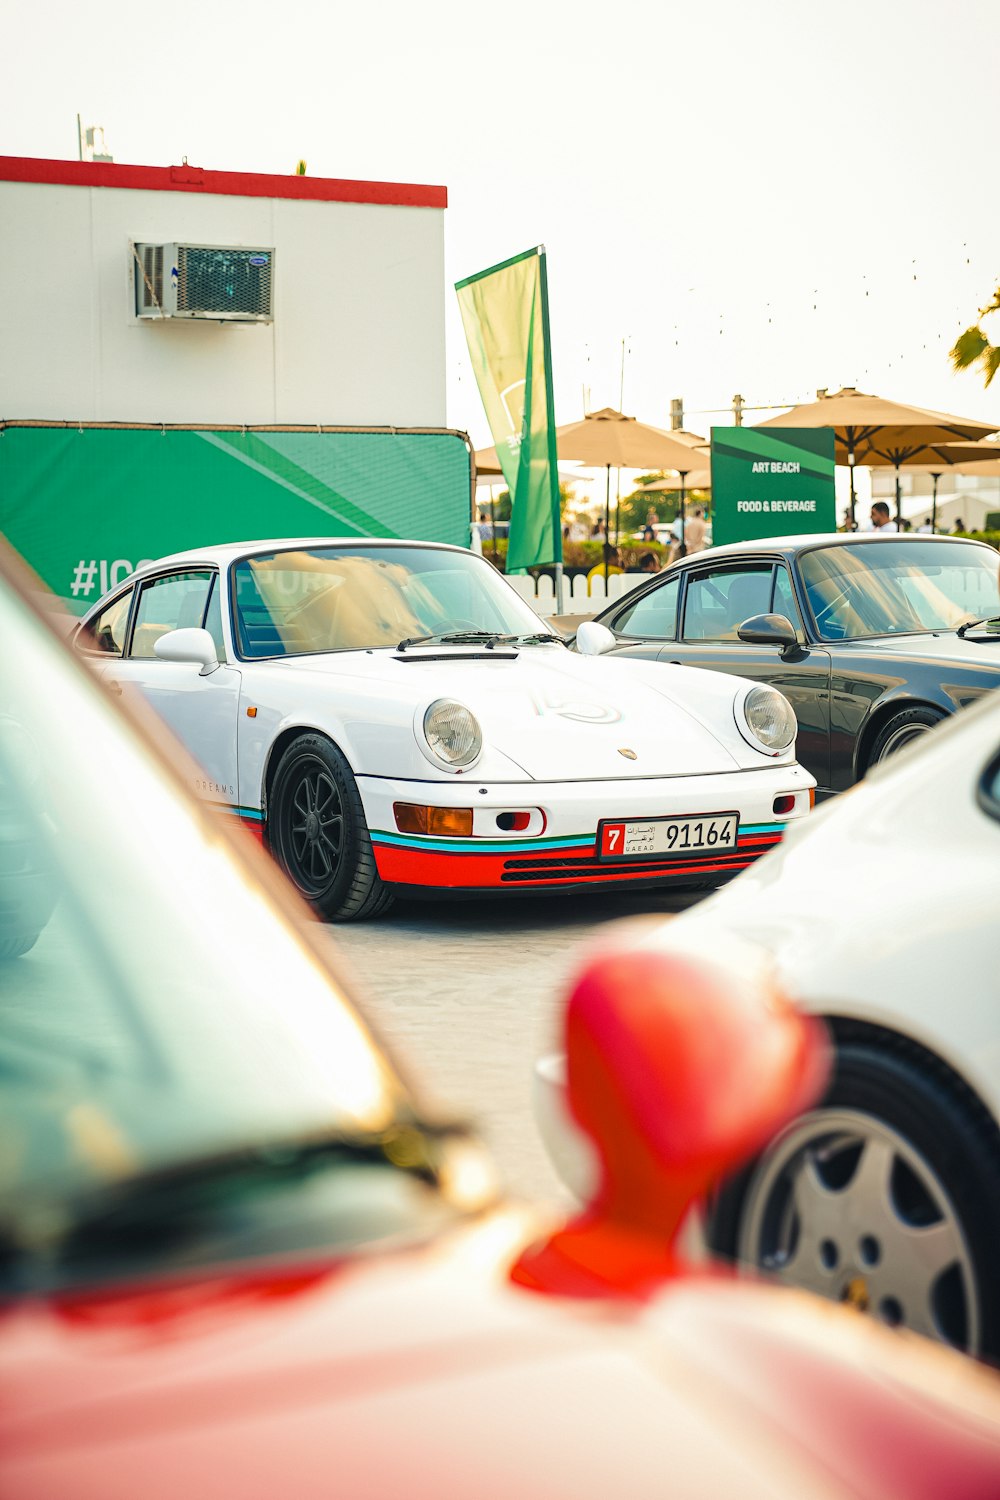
x=556 y=715
x=426 y=1373
x=944 y=647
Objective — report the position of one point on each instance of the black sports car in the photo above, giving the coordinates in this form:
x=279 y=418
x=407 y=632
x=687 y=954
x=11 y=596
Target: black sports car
x=873 y=639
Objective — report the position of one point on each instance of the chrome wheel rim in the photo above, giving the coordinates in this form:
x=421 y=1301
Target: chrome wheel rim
x=844 y=1206
x=902 y=737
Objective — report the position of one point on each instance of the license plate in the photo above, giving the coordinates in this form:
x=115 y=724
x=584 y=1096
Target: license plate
x=669 y=838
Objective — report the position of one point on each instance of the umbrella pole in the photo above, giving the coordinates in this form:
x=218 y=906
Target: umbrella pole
x=493 y=524
x=683 y=477
x=607 y=529
x=850 y=470
x=899 y=502
x=934 y=478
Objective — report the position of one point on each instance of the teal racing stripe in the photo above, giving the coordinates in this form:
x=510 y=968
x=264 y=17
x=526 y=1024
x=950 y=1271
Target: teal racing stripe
x=250 y=814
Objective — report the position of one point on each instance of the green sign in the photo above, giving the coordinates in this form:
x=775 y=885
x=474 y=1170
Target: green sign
x=87 y=504
x=505 y=312
x=769 y=483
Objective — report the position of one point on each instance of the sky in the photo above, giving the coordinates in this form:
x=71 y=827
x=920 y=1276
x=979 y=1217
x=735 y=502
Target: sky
x=765 y=199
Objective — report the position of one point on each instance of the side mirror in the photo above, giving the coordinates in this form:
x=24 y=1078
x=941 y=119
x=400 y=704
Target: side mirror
x=678 y=1068
x=769 y=630
x=190 y=644
x=593 y=639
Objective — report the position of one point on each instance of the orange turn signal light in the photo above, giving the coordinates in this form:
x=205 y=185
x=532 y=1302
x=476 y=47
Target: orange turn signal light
x=441 y=822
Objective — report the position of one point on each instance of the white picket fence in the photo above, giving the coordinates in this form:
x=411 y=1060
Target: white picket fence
x=579 y=596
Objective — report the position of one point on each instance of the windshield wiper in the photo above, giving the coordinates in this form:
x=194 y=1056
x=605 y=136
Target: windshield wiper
x=974 y=624
x=489 y=638
x=541 y=638
x=146 y=1214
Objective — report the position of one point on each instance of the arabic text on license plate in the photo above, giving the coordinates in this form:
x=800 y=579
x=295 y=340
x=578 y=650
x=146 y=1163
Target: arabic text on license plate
x=668 y=837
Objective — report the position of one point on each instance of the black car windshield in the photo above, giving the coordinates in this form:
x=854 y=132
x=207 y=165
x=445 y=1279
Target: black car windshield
x=158 y=1006
x=296 y=602
x=897 y=587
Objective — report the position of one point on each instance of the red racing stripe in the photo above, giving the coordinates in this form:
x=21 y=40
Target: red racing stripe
x=456 y=871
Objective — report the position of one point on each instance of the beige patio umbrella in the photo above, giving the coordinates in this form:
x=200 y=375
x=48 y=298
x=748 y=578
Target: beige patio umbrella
x=608 y=439
x=981 y=460
x=695 y=479
x=893 y=432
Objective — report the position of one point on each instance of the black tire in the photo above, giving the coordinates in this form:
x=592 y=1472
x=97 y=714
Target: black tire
x=901 y=730
x=941 y=1179
x=317 y=832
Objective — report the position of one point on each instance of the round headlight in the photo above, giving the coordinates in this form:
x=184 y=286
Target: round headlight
x=452 y=732
x=770 y=718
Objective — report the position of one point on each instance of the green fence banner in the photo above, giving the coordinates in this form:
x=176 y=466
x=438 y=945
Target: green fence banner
x=85 y=504
x=505 y=311
x=769 y=483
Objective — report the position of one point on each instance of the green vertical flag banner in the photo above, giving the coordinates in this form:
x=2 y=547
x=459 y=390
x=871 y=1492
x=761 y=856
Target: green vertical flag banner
x=505 y=311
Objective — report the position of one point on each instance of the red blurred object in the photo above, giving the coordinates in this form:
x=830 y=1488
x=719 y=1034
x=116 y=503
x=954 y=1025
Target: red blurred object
x=677 y=1070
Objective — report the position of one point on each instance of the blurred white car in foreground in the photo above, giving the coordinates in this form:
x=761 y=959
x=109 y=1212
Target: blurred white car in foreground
x=882 y=915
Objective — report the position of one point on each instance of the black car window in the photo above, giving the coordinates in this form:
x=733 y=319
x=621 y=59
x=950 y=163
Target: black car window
x=654 y=615
x=106 y=631
x=169 y=603
x=719 y=601
x=783 y=602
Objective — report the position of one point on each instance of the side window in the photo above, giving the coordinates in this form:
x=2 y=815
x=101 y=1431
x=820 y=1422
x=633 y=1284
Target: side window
x=784 y=599
x=654 y=615
x=106 y=631
x=168 y=604
x=213 y=618
x=717 y=603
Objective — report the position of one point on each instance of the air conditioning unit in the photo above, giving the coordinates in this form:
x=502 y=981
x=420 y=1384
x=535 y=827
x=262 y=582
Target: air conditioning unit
x=216 y=283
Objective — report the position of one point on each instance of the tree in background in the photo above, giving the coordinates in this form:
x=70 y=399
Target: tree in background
x=501 y=505
x=974 y=348
x=666 y=503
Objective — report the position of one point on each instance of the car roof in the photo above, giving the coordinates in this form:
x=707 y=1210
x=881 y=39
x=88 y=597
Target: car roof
x=803 y=541
x=224 y=553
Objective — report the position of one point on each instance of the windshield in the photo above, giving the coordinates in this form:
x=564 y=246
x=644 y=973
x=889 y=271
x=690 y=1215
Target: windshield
x=897 y=587
x=157 y=1005
x=339 y=599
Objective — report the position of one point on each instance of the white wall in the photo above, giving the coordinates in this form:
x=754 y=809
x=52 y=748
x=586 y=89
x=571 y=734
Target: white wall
x=357 y=336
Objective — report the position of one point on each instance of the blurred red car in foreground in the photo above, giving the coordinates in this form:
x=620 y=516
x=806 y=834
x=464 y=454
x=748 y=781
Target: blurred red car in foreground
x=237 y=1261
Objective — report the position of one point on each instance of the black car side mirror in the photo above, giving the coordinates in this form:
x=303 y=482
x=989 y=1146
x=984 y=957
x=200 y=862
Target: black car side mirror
x=769 y=630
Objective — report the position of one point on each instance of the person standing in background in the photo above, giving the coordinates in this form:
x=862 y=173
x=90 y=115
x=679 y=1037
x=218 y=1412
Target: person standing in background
x=881 y=519
x=695 y=531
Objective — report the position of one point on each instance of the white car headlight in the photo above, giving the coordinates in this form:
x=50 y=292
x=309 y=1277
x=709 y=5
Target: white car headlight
x=452 y=732
x=767 y=720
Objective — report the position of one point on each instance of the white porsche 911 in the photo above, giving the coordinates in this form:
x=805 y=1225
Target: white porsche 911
x=391 y=717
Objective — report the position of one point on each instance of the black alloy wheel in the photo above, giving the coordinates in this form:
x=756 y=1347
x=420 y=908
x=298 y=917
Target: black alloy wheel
x=318 y=834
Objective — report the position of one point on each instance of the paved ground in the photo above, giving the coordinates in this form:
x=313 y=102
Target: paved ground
x=467 y=994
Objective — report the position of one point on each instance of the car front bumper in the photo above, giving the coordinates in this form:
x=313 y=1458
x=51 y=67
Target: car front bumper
x=564 y=853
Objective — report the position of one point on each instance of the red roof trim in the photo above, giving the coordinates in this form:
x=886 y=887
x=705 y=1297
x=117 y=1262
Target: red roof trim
x=185 y=179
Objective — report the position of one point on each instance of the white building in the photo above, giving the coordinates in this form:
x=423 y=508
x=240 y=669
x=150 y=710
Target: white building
x=352 y=274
